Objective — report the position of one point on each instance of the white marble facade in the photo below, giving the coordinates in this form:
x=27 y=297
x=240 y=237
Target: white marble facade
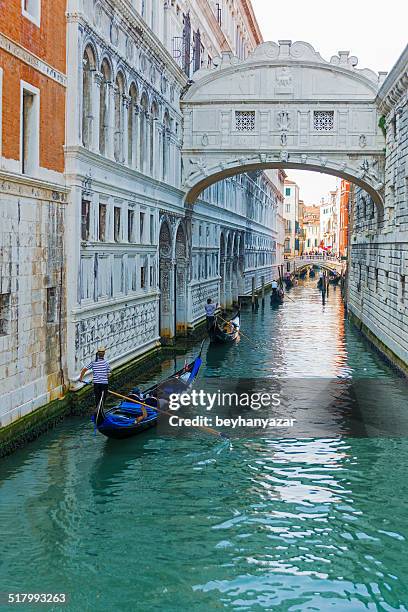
x=141 y=264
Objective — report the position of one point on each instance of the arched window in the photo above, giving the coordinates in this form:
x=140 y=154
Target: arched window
x=103 y=109
x=166 y=146
x=153 y=137
x=119 y=91
x=143 y=133
x=87 y=116
x=132 y=136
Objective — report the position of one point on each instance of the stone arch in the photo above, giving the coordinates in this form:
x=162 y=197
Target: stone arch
x=222 y=268
x=132 y=125
x=88 y=69
x=166 y=145
x=181 y=272
x=143 y=132
x=106 y=76
x=166 y=281
x=119 y=91
x=154 y=143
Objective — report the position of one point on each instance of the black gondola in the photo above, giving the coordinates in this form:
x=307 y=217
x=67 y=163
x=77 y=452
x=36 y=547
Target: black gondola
x=127 y=418
x=288 y=282
x=222 y=334
x=277 y=297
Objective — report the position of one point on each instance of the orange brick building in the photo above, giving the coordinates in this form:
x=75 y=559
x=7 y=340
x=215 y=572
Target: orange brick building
x=32 y=204
x=344 y=217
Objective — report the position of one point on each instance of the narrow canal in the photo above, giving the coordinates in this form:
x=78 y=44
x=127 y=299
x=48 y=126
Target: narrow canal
x=187 y=523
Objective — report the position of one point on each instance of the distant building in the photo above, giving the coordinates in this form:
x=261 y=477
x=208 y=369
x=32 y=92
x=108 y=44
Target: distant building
x=329 y=222
x=311 y=228
x=291 y=217
x=344 y=217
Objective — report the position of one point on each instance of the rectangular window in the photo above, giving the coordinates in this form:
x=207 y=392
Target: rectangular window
x=287 y=208
x=29 y=131
x=376 y=279
x=142 y=218
x=245 y=121
x=323 y=121
x=102 y=222
x=131 y=225
x=31 y=9
x=151 y=229
x=142 y=277
x=4 y=313
x=85 y=219
x=51 y=304
x=287 y=191
x=151 y=276
x=116 y=220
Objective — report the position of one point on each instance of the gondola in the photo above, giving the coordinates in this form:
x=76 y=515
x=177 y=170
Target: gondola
x=277 y=297
x=288 y=282
x=127 y=419
x=219 y=335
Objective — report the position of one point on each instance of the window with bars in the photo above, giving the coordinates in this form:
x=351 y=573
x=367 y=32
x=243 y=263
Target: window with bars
x=245 y=121
x=323 y=121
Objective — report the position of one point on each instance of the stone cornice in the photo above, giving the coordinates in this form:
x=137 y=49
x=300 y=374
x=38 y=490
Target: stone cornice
x=32 y=60
x=132 y=18
x=395 y=86
x=21 y=185
x=252 y=21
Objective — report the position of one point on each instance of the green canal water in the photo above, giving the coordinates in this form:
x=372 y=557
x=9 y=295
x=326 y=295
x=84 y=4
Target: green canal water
x=189 y=523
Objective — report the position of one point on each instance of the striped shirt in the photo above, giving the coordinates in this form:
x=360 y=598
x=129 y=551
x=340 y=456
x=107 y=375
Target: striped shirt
x=100 y=370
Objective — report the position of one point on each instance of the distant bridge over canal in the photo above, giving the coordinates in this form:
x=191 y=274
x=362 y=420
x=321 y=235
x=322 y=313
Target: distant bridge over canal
x=327 y=262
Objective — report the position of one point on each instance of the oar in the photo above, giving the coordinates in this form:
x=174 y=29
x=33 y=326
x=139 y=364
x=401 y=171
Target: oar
x=210 y=430
x=241 y=333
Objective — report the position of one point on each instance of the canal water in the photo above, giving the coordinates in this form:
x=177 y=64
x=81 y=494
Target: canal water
x=195 y=523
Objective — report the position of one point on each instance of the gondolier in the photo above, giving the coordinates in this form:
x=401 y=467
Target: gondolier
x=101 y=371
x=210 y=309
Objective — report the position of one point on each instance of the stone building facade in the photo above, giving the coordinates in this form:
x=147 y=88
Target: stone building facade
x=32 y=206
x=378 y=280
x=141 y=264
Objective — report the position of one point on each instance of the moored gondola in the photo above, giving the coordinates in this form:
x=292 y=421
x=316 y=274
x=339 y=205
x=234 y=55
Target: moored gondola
x=223 y=331
x=129 y=418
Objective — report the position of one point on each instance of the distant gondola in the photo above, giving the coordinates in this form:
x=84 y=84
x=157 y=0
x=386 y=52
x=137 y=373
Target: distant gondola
x=288 y=282
x=127 y=419
x=334 y=280
x=227 y=332
x=277 y=297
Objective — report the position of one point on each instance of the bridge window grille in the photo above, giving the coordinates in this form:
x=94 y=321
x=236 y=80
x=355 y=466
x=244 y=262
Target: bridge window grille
x=245 y=121
x=323 y=121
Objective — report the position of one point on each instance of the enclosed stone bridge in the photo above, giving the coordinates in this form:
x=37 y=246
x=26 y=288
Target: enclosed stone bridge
x=283 y=107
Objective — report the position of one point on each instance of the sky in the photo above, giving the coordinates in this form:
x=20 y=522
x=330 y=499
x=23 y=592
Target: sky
x=374 y=31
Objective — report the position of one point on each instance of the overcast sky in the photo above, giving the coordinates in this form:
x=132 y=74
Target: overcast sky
x=374 y=31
